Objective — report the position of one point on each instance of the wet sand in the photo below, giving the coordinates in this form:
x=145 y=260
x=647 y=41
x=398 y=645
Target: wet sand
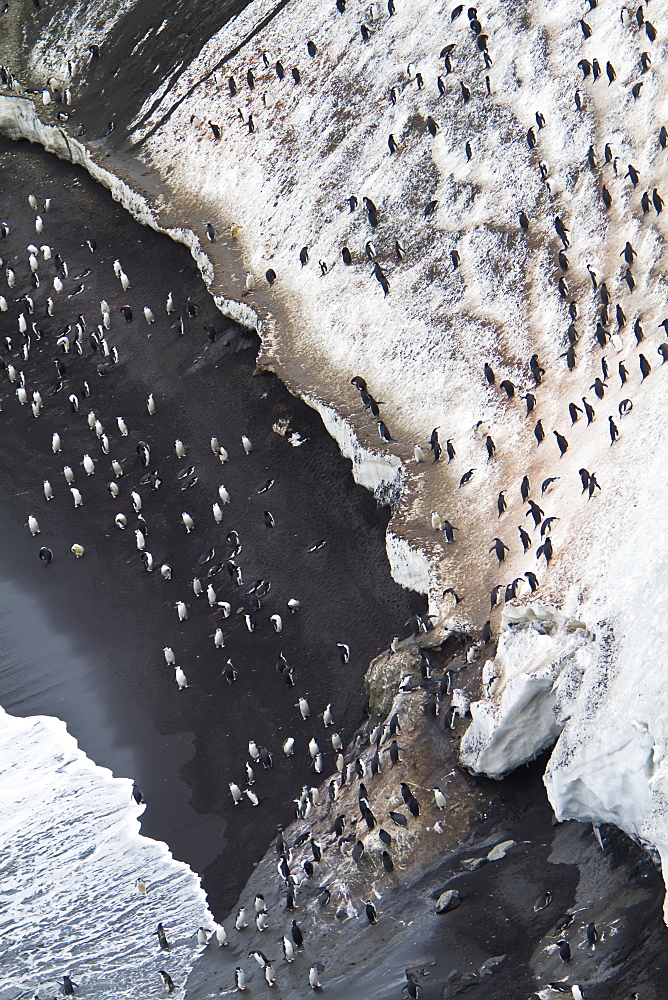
x=87 y=639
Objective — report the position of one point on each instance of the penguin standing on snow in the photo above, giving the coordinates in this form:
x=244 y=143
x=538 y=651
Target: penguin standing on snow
x=499 y=549
x=167 y=981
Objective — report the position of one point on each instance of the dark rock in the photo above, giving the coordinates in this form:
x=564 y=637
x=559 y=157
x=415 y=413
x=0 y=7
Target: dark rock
x=448 y=900
x=490 y=966
x=458 y=983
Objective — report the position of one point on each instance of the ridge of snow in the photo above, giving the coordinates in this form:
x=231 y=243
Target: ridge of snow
x=532 y=685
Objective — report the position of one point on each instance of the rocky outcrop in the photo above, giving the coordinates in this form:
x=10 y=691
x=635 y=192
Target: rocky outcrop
x=386 y=674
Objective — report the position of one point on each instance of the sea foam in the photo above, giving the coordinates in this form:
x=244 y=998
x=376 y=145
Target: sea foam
x=70 y=855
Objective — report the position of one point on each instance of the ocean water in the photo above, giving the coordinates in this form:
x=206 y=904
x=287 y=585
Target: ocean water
x=70 y=855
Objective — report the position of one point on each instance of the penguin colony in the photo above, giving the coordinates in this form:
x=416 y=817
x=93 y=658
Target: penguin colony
x=43 y=331
x=119 y=467
x=38 y=321
x=604 y=363
x=133 y=481
x=621 y=326
x=248 y=102
x=611 y=334
x=349 y=830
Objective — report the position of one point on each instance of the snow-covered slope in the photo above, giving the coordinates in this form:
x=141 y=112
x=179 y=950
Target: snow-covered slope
x=475 y=147
x=422 y=347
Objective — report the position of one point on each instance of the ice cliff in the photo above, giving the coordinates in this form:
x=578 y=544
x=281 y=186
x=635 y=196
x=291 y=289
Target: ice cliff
x=506 y=188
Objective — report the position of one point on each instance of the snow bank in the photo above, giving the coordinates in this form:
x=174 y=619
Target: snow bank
x=285 y=177
x=603 y=702
x=383 y=475
x=380 y=473
x=409 y=564
x=531 y=687
x=71 y=31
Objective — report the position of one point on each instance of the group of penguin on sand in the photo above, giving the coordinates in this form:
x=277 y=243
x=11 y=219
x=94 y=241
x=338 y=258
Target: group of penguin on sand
x=361 y=838
x=295 y=874
x=70 y=340
x=46 y=269
x=27 y=285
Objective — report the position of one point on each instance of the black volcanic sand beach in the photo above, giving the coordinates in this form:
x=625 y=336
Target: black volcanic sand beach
x=82 y=638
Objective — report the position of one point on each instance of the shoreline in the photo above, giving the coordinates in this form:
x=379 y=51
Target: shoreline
x=381 y=472
x=59 y=857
